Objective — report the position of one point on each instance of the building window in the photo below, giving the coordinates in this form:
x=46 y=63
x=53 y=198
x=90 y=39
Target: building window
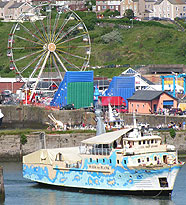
x=111 y=7
x=143 y=141
x=103 y=7
x=152 y=141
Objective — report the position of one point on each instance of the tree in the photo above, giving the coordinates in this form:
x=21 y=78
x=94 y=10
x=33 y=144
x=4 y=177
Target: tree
x=129 y=13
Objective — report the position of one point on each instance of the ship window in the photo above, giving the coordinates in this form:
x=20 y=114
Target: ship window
x=117 y=161
x=110 y=161
x=152 y=141
x=163 y=182
x=139 y=142
x=97 y=160
x=147 y=159
x=143 y=141
x=125 y=162
x=139 y=160
x=155 y=158
x=90 y=159
x=155 y=141
x=148 y=141
x=59 y=157
x=103 y=160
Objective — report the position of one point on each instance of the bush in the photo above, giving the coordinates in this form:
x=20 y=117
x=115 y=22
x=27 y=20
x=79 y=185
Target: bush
x=23 y=139
x=113 y=36
x=172 y=133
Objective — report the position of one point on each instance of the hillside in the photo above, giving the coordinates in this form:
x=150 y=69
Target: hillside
x=141 y=45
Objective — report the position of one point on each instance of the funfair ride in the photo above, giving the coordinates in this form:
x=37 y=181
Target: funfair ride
x=48 y=39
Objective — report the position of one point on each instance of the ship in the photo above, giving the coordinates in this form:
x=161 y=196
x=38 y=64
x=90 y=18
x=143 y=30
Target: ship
x=125 y=161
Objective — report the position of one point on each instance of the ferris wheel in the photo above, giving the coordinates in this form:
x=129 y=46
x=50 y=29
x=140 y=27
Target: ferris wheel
x=47 y=39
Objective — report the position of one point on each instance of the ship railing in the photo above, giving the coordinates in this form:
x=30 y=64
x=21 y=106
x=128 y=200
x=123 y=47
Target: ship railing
x=95 y=151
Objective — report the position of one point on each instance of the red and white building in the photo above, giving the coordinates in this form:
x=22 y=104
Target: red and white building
x=102 y=6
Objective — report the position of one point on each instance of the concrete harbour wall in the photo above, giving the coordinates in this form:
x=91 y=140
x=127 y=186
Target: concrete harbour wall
x=10 y=144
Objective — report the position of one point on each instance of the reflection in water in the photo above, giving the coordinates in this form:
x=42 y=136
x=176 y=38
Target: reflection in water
x=20 y=191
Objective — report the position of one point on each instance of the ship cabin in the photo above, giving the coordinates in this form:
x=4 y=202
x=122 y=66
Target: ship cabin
x=127 y=141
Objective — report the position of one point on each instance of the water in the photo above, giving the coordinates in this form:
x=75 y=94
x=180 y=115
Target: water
x=20 y=191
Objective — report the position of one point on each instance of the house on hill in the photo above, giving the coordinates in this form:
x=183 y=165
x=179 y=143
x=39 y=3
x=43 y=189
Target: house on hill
x=148 y=101
x=170 y=9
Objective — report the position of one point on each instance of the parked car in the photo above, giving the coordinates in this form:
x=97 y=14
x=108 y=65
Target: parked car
x=67 y=107
x=6 y=92
x=175 y=111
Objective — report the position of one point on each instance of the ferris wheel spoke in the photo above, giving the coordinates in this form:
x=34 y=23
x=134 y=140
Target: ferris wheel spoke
x=44 y=30
x=38 y=64
x=55 y=26
x=55 y=64
x=25 y=39
x=76 y=56
x=41 y=35
x=65 y=59
x=62 y=27
x=39 y=76
x=59 y=60
x=31 y=62
x=26 y=56
x=25 y=48
x=71 y=39
x=69 y=31
x=30 y=33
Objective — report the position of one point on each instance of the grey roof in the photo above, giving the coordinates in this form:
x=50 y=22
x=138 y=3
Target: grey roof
x=3 y=4
x=16 y=5
x=171 y=1
x=147 y=95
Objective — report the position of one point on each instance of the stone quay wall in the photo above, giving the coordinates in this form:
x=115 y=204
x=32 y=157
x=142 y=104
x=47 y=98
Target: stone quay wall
x=36 y=117
x=10 y=146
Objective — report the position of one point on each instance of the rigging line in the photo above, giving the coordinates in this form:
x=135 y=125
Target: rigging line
x=25 y=39
x=44 y=30
x=31 y=62
x=76 y=56
x=71 y=39
x=39 y=32
x=69 y=31
x=69 y=61
x=56 y=24
x=29 y=32
x=27 y=56
x=62 y=27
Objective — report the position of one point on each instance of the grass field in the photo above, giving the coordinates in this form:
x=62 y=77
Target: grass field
x=141 y=45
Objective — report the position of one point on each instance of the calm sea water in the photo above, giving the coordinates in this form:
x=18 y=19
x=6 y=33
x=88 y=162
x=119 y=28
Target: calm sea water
x=20 y=191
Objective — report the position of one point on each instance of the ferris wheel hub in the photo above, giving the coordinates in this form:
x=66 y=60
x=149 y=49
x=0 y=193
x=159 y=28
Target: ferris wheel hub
x=51 y=47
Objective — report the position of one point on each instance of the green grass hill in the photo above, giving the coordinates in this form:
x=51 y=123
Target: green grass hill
x=145 y=43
